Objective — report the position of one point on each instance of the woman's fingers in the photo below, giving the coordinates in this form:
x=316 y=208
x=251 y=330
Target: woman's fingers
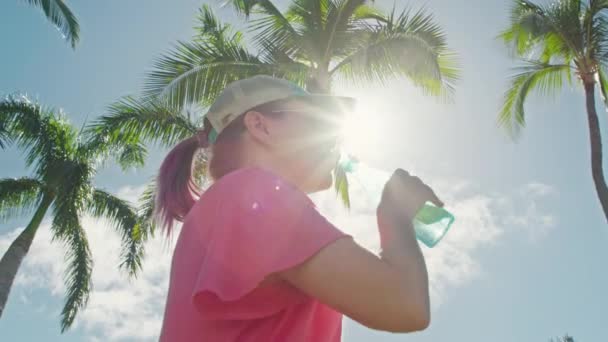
x=435 y=199
x=415 y=185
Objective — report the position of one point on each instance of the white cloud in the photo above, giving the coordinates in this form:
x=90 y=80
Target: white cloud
x=453 y=262
x=537 y=189
x=121 y=309
x=130 y=193
x=526 y=210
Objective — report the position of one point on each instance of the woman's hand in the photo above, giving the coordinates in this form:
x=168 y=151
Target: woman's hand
x=403 y=196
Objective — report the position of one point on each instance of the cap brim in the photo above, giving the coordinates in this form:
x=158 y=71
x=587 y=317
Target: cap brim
x=342 y=104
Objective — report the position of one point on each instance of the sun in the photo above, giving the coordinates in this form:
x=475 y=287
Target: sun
x=360 y=131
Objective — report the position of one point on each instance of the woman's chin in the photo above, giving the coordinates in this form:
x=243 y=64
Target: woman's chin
x=320 y=174
x=321 y=184
x=327 y=183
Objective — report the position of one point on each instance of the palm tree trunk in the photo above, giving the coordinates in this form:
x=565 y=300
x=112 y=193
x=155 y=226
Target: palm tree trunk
x=597 y=169
x=319 y=82
x=14 y=255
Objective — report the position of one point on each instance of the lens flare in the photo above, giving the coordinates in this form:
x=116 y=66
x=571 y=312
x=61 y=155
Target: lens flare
x=359 y=132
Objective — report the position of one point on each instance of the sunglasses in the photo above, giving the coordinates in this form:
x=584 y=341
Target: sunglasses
x=317 y=117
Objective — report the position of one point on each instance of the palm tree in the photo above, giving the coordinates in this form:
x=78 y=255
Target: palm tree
x=313 y=43
x=58 y=13
x=64 y=165
x=566 y=338
x=554 y=42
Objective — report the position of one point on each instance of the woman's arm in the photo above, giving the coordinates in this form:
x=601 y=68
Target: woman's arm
x=389 y=292
x=384 y=293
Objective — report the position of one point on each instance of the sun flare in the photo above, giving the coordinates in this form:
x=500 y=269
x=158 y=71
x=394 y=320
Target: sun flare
x=359 y=131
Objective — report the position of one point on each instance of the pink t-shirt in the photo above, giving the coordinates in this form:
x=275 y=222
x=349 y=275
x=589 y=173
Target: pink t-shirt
x=246 y=226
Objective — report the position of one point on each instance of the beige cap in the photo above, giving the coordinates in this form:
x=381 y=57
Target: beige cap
x=240 y=96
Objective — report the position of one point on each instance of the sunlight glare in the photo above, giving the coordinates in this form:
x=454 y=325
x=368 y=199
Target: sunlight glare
x=360 y=131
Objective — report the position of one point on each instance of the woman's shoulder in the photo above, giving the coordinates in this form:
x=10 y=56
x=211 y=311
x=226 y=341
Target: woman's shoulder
x=252 y=179
x=247 y=175
x=257 y=186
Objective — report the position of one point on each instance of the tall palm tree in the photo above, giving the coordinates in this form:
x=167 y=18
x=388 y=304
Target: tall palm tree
x=568 y=37
x=313 y=43
x=566 y=338
x=63 y=165
x=60 y=15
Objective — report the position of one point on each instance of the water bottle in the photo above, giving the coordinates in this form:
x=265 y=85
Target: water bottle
x=431 y=223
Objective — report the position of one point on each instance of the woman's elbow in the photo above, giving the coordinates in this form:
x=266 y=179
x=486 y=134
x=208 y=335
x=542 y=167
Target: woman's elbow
x=403 y=322
x=422 y=320
x=416 y=320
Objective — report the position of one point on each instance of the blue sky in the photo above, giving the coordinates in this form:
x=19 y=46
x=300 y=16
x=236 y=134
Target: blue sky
x=524 y=262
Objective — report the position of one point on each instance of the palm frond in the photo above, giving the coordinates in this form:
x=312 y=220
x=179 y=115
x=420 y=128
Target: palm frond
x=596 y=6
x=595 y=10
x=60 y=146
x=209 y=26
x=5 y=138
x=132 y=155
x=341 y=185
x=297 y=32
x=423 y=24
x=198 y=72
x=71 y=199
x=309 y=15
x=365 y=12
x=73 y=191
x=19 y=196
x=286 y=66
x=123 y=218
x=247 y=7
x=554 y=49
x=131 y=121
x=364 y=22
x=596 y=41
x=100 y=146
x=67 y=229
x=339 y=18
x=146 y=214
x=410 y=46
x=558 y=28
x=146 y=211
x=308 y=18
x=344 y=34
x=21 y=119
x=566 y=18
x=603 y=83
x=78 y=272
x=565 y=338
x=62 y=17
x=529 y=22
x=272 y=26
x=545 y=78
x=46 y=137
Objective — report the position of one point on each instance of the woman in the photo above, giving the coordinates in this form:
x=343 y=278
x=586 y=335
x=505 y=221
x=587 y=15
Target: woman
x=254 y=260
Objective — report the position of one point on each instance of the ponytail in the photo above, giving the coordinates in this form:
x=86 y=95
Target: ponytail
x=176 y=190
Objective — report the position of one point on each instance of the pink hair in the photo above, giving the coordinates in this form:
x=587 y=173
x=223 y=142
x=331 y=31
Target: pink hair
x=176 y=190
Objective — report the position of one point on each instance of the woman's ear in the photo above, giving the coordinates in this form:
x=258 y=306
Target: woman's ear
x=257 y=125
